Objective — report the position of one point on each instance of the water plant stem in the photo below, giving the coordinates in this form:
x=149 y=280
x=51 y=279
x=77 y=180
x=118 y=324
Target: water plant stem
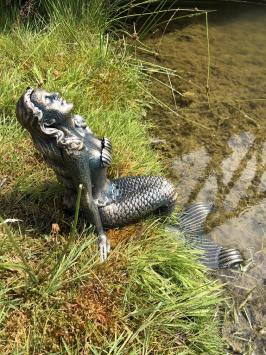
x=209 y=59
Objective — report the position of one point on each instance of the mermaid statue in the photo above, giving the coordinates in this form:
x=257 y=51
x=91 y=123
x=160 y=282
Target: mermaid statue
x=78 y=157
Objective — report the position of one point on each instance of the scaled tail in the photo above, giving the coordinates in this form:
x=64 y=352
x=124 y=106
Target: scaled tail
x=214 y=256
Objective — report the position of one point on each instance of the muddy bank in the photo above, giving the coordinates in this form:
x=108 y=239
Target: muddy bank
x=210 y=131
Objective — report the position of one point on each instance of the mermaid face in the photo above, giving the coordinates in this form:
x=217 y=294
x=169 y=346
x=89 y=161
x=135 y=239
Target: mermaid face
x=52 y=105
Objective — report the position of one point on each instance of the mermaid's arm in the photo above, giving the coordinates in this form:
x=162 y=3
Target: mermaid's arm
x=82 y=176
x=92 y=213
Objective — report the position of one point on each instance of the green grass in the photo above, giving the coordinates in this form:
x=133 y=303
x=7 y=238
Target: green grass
x=151 y=296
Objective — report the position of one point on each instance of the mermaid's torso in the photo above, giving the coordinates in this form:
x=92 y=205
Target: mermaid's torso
x=87 y=167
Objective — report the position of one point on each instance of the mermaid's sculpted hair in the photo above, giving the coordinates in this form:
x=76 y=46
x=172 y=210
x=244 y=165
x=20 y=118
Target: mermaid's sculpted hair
x=34 y=120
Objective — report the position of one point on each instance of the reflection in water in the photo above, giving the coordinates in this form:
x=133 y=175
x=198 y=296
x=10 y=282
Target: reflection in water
x=241 y=185
x=189 y=168
x=248 y=231
x=262 y=186
x=209 y=191
x=217 y=146
x=245 y=230
x=264 y=153
x=198 y=179
x=240 y=145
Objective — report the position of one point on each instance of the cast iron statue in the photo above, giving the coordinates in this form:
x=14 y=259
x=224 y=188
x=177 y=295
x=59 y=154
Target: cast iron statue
x=77 y=157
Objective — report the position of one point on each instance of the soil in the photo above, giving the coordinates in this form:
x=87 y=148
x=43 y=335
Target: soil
x=210 y=130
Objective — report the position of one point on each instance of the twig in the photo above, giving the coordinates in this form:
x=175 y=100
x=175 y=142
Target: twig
x=172 y=91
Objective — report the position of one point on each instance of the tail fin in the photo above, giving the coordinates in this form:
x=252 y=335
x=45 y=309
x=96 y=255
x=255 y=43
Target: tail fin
x=214 y=256
x=193 y=218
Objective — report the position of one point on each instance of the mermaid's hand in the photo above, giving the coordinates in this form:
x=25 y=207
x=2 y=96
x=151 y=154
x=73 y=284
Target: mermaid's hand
x=104 y=246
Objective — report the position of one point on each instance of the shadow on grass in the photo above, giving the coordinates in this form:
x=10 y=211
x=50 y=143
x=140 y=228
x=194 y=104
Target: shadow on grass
x=37 y=208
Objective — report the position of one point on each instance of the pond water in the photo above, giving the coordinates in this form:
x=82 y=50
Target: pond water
x=210 y=130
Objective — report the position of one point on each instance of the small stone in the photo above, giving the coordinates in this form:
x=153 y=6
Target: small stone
x=155 y=141
x=188 y=97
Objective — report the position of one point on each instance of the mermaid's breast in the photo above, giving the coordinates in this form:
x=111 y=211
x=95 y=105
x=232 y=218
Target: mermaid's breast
x=106 y=154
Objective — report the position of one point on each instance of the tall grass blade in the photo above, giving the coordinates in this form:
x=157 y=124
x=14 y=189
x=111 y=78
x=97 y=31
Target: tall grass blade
x=15 y=245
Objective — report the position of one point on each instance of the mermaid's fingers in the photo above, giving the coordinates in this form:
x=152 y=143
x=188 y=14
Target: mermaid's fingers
x=104 y=247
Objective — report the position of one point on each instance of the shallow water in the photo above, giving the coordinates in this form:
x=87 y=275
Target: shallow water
x=212 y=138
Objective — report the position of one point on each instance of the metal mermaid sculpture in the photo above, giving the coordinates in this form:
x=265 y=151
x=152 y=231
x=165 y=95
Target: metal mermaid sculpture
x=77 y=157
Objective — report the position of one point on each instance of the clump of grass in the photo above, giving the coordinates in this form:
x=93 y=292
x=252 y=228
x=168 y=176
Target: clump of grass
x=151 y=295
